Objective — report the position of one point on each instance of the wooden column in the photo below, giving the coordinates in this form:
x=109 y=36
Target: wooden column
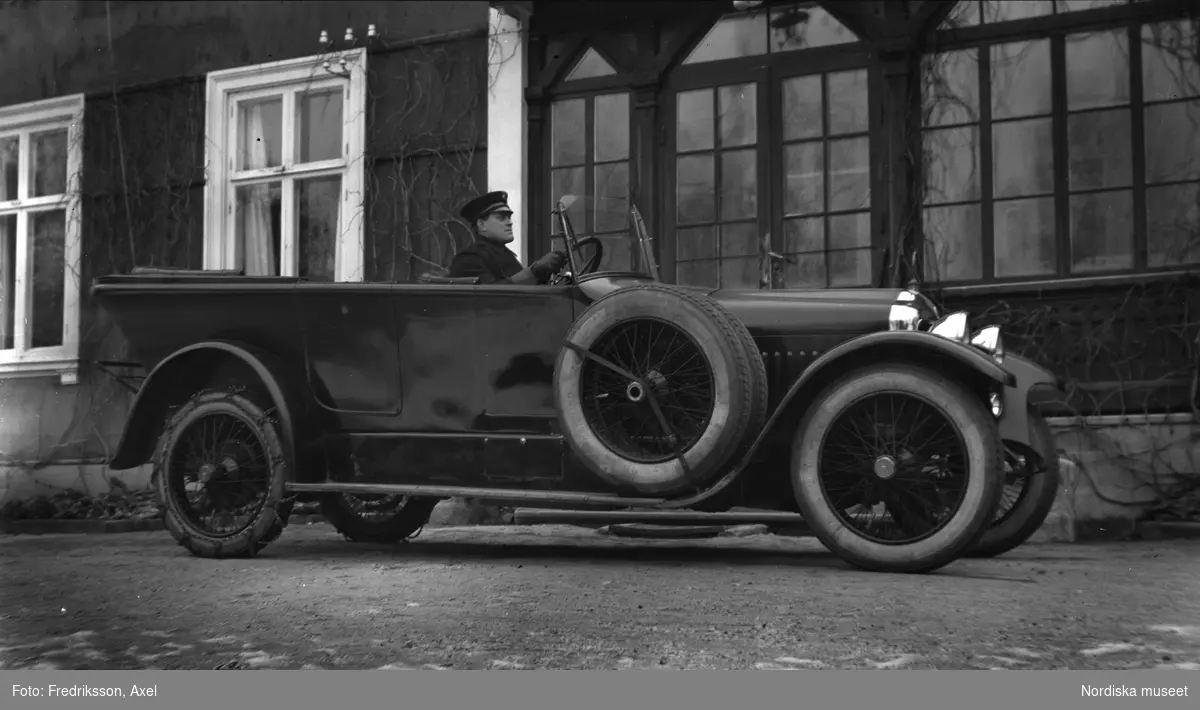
x=644 y=154
x=898 y=133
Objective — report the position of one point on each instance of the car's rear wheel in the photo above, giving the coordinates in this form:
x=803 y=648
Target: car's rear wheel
x=687 y=355
x=376 y=518
x=1030 y=489
x=221 y=470
x=894 y=468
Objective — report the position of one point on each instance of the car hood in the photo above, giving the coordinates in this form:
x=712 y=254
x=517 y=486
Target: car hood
x=810 y=311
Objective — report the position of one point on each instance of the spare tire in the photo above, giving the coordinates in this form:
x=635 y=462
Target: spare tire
x=700 y=363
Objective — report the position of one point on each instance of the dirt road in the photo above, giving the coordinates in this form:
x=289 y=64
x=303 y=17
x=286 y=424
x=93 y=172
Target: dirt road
x=561 y=597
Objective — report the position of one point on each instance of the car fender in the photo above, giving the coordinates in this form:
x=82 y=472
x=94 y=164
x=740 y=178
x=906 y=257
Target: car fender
x=967 y=355
x=163 y=384
x=1014 y=418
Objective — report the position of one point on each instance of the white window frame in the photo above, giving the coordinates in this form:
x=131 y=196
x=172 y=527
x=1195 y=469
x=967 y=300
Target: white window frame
x=23 y=120
x=228 y=87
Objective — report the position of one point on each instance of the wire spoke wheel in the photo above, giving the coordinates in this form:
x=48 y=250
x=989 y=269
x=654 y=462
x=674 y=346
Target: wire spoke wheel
x=219 y=473
x=673 y=366
x=893 y=466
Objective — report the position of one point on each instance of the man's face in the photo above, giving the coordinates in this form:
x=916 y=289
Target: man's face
x=496 y=227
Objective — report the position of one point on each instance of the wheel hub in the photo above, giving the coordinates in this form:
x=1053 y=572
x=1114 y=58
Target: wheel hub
x=634 y=392
x=885 y=467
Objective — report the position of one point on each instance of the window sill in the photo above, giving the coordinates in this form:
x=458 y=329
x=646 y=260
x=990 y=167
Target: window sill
x=1082 y=283
x=66 y=369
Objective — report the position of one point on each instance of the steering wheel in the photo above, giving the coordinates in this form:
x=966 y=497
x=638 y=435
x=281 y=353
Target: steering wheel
x=590 y=266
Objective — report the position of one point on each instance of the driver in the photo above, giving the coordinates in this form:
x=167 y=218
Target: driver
x=488 y=257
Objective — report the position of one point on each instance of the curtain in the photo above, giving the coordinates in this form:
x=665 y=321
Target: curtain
x=258 y=243
x=8 y=269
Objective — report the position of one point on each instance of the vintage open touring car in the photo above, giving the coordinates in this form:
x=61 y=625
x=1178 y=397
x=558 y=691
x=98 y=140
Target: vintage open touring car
x=902 y=439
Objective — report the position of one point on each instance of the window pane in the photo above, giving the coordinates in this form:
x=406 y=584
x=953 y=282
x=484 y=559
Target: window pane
x=802 y=107
x=319 y=201
x=612 y=196
x=739 y=184
x=803 y=25
x=567 y=128
x=951 y=88
x=694 y=120
x=589 y=66
x=1100 y=149
x=1101 y=231
x=805 y=271
x=953 y=249
x=804 y=178
x=48 y=239
x=1023 y=161
x=1169 y=66
x=696 y=243
x=8 y=279
x=964 y=14
x=1024 y=242
x=612 y=127
x=738 y=35
x=1097 y=69
x=850 y=230
x=9 y=170
x=741 y=272
x=804 y=235
x=260 y=124
x=697 y=273
x=952 y=160
x=48 y=163
x=258 y=228
x=1020 y=78
x=319 y=125
x=1004 y=10
x=570 y=181
x=1172 y=218
x=740 y=240
x=847 y=102
x=849 y=268
x=849 y=174
x=738 y=119
x=695 y=194
x=1173 y=142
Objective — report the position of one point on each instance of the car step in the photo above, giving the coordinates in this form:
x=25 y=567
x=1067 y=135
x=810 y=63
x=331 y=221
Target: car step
x=541 y=516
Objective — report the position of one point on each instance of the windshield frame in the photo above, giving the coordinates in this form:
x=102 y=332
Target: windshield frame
x=643 y=243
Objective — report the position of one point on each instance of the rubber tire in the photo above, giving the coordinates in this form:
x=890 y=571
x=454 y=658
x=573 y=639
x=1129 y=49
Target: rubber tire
x=1034 y=507
x=268 y=524
x=985 y=451
x=738 y=373
x=406 y=520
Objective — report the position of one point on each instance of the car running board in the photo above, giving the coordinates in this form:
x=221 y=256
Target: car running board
x=498 y=494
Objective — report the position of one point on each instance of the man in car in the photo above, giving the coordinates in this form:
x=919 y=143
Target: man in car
x=487 y=257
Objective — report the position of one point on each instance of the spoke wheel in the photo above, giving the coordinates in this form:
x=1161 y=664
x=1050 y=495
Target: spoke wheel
x=221 y=473
x=618 y=410
x=895 y=467
x=1031 y=486
x=376 y=518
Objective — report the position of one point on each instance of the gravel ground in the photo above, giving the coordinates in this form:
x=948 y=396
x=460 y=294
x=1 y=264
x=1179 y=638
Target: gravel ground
x=564 y=597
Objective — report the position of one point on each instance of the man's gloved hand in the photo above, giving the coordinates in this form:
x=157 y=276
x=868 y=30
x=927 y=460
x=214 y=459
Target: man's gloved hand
x=548 y=264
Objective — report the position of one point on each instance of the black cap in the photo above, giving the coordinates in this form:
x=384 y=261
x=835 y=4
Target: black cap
x=484 y=205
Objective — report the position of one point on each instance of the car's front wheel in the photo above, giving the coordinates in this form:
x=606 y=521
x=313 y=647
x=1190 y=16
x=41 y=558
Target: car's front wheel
x=1030 y=489
x=376 y=518
x=221 y=470
x=893 y=468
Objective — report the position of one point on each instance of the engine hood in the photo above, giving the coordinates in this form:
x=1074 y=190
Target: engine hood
x=810 y=311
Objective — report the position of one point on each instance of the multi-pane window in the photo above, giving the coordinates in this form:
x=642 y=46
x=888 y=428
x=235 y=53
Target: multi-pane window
x=589 y=160
x=1066 y=156
x=716 y=194
x=40 y=159
x=827 y=187
x=286 y=191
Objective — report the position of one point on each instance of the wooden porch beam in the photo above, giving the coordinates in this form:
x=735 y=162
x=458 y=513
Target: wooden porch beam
x=929 y=15
x=695 y=25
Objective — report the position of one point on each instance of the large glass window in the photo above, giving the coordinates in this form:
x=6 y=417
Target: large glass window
x=1034 y=167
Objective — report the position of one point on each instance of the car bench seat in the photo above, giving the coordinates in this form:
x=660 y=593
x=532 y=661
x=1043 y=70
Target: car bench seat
x=428 y=278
